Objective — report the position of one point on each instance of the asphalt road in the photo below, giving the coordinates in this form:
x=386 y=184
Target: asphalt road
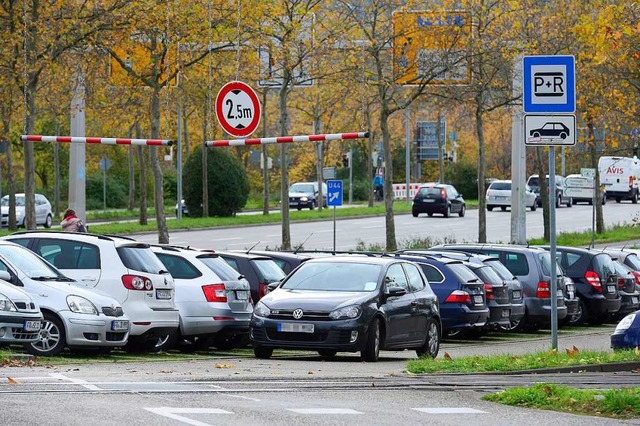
x=371 y=230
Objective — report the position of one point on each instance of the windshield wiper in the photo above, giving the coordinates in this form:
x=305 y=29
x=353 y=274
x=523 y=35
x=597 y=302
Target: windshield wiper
x=44 y=278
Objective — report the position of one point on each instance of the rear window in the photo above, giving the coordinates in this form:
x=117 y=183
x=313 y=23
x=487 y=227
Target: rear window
x=633 y=262
x=545 y=261
x=462 y=273
x=500 y=269
x=603 y=265
x=430 y=191
x=268 y=270
x=516 y=263
x=488 y=275
x=501 y=186
x=221 y=268
x=533 y=181
x=140 y=259
x=179 y=267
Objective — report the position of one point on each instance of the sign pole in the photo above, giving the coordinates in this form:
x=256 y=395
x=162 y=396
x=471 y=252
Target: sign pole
x=552 y=238
x=334 y=229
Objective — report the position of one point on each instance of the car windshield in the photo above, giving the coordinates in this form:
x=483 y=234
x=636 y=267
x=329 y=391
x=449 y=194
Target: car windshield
x=140 y=258
x=5 y=201
x=302 y=187
x=335 y=276
x=28 y=262
x=221 y=268
x=501 y=186
x=533 y=181
x=269 y=270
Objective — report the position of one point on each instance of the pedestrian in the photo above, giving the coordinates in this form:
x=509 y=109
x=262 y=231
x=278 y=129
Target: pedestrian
x=378 y=185
x=72 y=223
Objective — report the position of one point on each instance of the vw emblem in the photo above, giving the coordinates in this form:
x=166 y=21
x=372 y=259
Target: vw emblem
x=297 y=314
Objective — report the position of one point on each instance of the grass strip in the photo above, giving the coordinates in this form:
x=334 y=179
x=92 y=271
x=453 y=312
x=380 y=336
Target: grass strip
x=616 y=403
x=615 y=233
x=507 y=362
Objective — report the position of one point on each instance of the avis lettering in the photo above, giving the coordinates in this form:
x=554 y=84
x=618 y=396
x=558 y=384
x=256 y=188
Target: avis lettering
x=615 y=170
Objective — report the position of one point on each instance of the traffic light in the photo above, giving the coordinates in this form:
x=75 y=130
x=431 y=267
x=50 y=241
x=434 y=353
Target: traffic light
x=345 y=160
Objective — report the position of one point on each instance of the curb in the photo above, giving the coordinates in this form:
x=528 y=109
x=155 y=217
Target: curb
x=614 y=367
x=21 y=358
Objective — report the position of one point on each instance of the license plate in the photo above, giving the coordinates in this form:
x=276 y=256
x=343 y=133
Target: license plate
x=634 y=300
x=506 y=313
x=516 y=294
x=429 y=200
x=295 y=328
x=570 y=295
x=119 y=325
x=477 y=300
x=611 y=288
x=163 y=294
x=560 y=294
x=242 y=295
x=32 y=325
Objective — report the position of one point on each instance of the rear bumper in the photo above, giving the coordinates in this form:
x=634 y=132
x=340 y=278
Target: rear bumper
x=539 y=310
x=599 y=305
x=457 y=316
x=629 y=302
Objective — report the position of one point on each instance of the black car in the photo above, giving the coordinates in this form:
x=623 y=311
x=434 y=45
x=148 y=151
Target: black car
x=596 y=281
x=260 y=271
x=497 y=294
x=629 y=295
x=286 y=260
x=305 y=195
x=438 y=198
x=349 y=304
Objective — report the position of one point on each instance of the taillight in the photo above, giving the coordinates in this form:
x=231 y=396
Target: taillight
x=443 y=194
x=459 y=296
x=488 y=289
x=263 y=289
x=594 y=281
x=636 y=276
x=543 y=292
x=621 y=283
x=214 y=292
x=136 y=282
x=630 y=181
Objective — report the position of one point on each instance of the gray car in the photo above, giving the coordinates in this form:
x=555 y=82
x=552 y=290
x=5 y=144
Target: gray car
x=20 y=316
x=74 y=317
x=213 y=299
x=42 y=206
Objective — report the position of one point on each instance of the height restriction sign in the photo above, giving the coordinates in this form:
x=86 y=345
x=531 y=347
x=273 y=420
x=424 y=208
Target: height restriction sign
x=238 y=109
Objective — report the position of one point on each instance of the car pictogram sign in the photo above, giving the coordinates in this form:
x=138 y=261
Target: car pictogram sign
x=238 y=109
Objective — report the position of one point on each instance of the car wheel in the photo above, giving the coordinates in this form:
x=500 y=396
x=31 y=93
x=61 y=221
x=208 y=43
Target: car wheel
x=165 y=343
x=52 y=338
x=225 y=342
x=430 y=214
x=141 y=345
x=563 y=135
x=414 y=213
x=573 y=202
x=579 y=317
x=457 y=332
x=558 y=202
x=447 y=211
x=570 y=202
x=534 y=207
x=536 y=135
x=299 y=208
x=48 y=221
x=503 y=208
x=262 y=353
x=327 y=353
x=634 y=199
x=604 y=200
x=618 y=199
x=513 y=327
x=371 y=352
x=432 y=341
x=490 y=208
x=462 y=211
x=312 y=205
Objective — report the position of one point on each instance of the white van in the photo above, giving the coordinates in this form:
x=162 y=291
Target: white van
x=620 y=175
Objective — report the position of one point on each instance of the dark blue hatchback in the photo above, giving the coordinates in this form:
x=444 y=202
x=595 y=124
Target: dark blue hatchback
x=463 y=304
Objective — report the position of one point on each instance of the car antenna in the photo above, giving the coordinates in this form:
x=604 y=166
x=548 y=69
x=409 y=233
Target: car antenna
x=302 y=245
x=252 y=247
x=625 y=244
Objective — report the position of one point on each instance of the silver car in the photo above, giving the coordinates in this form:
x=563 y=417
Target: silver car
x=20 y=316
x=42 y=205
x=74 y=317
x=499 y=195
x=213 y=299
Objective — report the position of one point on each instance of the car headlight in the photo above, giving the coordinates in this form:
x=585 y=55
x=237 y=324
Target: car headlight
x=80 y=305
x=625 y=323
x=6 y=305
x=304 y=199
x=350 y=312
x=18 y=213
x=261 y=310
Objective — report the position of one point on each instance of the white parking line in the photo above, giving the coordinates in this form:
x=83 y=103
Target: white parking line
x=324 y=411
x=174 y=413
x=80 y=382
x=450 y=410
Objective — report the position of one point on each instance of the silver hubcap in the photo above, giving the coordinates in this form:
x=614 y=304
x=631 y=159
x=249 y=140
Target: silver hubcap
x=433 y=339
x=49 y=337
x=376 y=344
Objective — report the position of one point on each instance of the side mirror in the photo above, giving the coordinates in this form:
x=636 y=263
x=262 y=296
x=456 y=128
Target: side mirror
x=395 y=291
x=6 y=276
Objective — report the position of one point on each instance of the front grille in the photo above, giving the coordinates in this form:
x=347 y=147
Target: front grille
x=26 y=306
x=112 y=312
x=115 y=337
x=306 y=316
x=19 y=334
x=297 y=337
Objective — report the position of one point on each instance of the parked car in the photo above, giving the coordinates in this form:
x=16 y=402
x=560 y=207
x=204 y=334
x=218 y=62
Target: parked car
x=627 y=332
x=497 y=295
x=349 y=304
x=461 y=294
x=73 y=316
x=213 y=299
x=286 y=260
x=42 y=207
x=596 y=281
x=438 y=198
x=305 y=195
x=620 y=177
x=20 y=316
x=125 y=269
x=514 y=287
x=259 y=270
x=534 y=184
x=628 y=257
x=532 y=267
x=183 y=206
x=499 y=195
x=629 y=294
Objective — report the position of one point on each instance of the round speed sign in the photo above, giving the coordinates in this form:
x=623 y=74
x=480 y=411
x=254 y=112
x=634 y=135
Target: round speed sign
x=238 y=109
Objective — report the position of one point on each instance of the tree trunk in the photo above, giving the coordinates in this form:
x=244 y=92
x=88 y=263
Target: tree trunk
x=482 y=201
x=6 y=126
x=29 y=158
x=545 y=193
x=284 y=171
x=142 y=164
x=594 y=165
x=158 y=187
x=390 y=226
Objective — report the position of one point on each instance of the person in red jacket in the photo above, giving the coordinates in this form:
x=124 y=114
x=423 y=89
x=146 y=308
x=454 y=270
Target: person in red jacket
x=72 y=223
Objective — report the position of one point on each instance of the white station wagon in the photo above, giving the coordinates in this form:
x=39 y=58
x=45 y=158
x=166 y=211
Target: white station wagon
x=499 y=195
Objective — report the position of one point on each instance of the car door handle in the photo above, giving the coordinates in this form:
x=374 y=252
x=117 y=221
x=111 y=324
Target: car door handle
x=414 y=303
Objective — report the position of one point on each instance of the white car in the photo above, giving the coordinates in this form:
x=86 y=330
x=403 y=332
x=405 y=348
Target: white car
x=43 y=210
x=123 y=268
x=214 y=300
x=499 y=195
x=20 y=316
x=74 y=317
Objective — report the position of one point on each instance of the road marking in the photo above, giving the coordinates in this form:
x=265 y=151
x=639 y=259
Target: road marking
x=80 y=382
x=450 y=410
x=174 y=413
x=324 y=411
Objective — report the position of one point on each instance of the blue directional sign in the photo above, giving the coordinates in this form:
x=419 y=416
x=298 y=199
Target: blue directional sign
x=334 y=193
x=549 y=84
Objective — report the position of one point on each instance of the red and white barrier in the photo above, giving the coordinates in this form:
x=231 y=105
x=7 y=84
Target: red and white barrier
x=400 y=190
x=287 y=139
x=103 y=141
